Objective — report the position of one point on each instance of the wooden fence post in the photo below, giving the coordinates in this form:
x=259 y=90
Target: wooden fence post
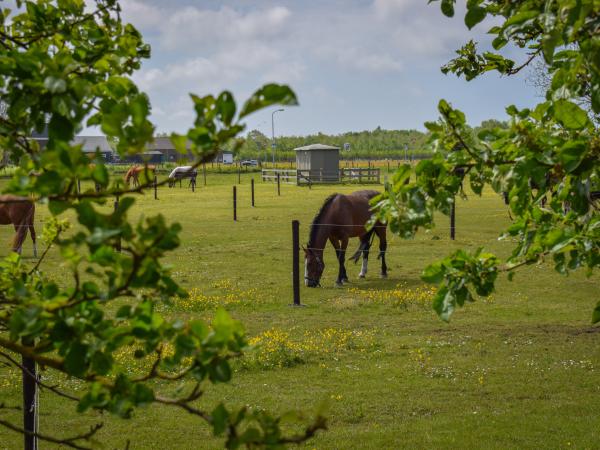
x=240 y=175
x=204 y=172
x=278 y=184
x=234 y=204
x=252 y=190
x=296 y=261
x=78 y=186
x=155 y=188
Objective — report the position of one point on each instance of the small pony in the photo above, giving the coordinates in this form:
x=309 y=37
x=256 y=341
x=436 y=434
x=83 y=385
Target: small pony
x=20 y=212
x=340 y=218
x=134 y=173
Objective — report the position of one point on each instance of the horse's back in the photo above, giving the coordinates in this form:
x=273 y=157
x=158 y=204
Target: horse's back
x=350 y=212
x=14 y=208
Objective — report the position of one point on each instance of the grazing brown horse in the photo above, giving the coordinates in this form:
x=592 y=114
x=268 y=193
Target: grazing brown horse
x=20 y=212
x=134 y=173
x=340 y=218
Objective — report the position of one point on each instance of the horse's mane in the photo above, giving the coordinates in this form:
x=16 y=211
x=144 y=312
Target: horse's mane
x=318 y=218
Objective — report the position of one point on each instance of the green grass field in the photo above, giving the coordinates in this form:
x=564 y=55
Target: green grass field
x=519 y=370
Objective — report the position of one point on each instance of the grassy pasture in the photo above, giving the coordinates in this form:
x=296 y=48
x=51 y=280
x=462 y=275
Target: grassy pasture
x=517 y=371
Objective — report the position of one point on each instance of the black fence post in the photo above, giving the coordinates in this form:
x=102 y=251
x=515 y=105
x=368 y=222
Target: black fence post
x=204 y=172
x=234 y=204
x=252 y=190
x=29 y=400
x=155 y=188
x=239 y=175
x=453 y=219
x=78 y=186
x=296 y=261
x=278 y=184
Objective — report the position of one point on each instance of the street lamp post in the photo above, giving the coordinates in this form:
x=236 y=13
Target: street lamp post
x=273 y=132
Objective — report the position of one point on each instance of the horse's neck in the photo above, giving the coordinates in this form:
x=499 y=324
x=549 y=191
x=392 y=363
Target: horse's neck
x=321 y=235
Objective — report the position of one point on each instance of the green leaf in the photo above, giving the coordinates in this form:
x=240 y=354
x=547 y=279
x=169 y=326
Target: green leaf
x=100 y=174
x=57 y=207
x=570 y=115
x=474 y=15
x=571 y=154
x=220 y=419
x=443 y=303
x=434 y=273
x=225 y=107
x=76 y=359
x=448 y=8
x=269 y=95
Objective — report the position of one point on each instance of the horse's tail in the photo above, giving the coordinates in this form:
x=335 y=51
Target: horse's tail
x=365 y=243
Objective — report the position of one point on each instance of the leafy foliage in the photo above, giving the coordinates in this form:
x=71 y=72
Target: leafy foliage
x=546 y=161
x=67 y=66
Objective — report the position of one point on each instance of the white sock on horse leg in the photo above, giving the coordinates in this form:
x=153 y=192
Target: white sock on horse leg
x=34 y=250
x=363 y=270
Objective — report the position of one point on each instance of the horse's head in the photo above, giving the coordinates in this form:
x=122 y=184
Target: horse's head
x=313 y=267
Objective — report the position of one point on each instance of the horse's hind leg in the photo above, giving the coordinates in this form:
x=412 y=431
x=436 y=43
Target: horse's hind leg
x=381 y=234
x=21 y=230
x=365 y=245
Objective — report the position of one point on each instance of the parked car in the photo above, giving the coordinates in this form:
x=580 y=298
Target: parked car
x=249 y=162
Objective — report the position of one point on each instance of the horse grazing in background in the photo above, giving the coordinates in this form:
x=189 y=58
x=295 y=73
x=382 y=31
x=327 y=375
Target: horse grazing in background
x=20 y=212
x=340 y=218
x=178 y=173
x=134 y=174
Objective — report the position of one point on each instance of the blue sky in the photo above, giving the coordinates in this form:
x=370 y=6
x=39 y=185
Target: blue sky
x=354 y=64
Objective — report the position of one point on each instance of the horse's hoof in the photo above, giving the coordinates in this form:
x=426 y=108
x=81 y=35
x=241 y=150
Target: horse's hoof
x=345 y=280
x=339 y=284
x=361 y=275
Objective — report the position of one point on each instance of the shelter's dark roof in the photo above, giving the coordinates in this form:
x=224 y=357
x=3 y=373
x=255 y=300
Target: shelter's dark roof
x=92 y=143
x=161 y=143
x=317 y=147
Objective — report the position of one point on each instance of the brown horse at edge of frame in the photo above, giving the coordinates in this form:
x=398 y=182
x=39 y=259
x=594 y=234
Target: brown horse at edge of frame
x=20 y=212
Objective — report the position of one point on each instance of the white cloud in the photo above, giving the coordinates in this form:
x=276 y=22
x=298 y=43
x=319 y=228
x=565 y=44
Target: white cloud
x=194 y=28
x=386 y=8
x=142 y=15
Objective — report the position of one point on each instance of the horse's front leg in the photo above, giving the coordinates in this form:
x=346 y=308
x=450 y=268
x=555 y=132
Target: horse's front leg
x=343 y=248
x=339 y=255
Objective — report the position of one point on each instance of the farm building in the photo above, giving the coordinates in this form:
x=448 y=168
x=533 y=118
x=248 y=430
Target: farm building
x=319 y=162
x=150 y=157
x=167 y=149
x=92 y=144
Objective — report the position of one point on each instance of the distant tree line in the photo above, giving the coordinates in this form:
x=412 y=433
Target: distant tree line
x=368 y=144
